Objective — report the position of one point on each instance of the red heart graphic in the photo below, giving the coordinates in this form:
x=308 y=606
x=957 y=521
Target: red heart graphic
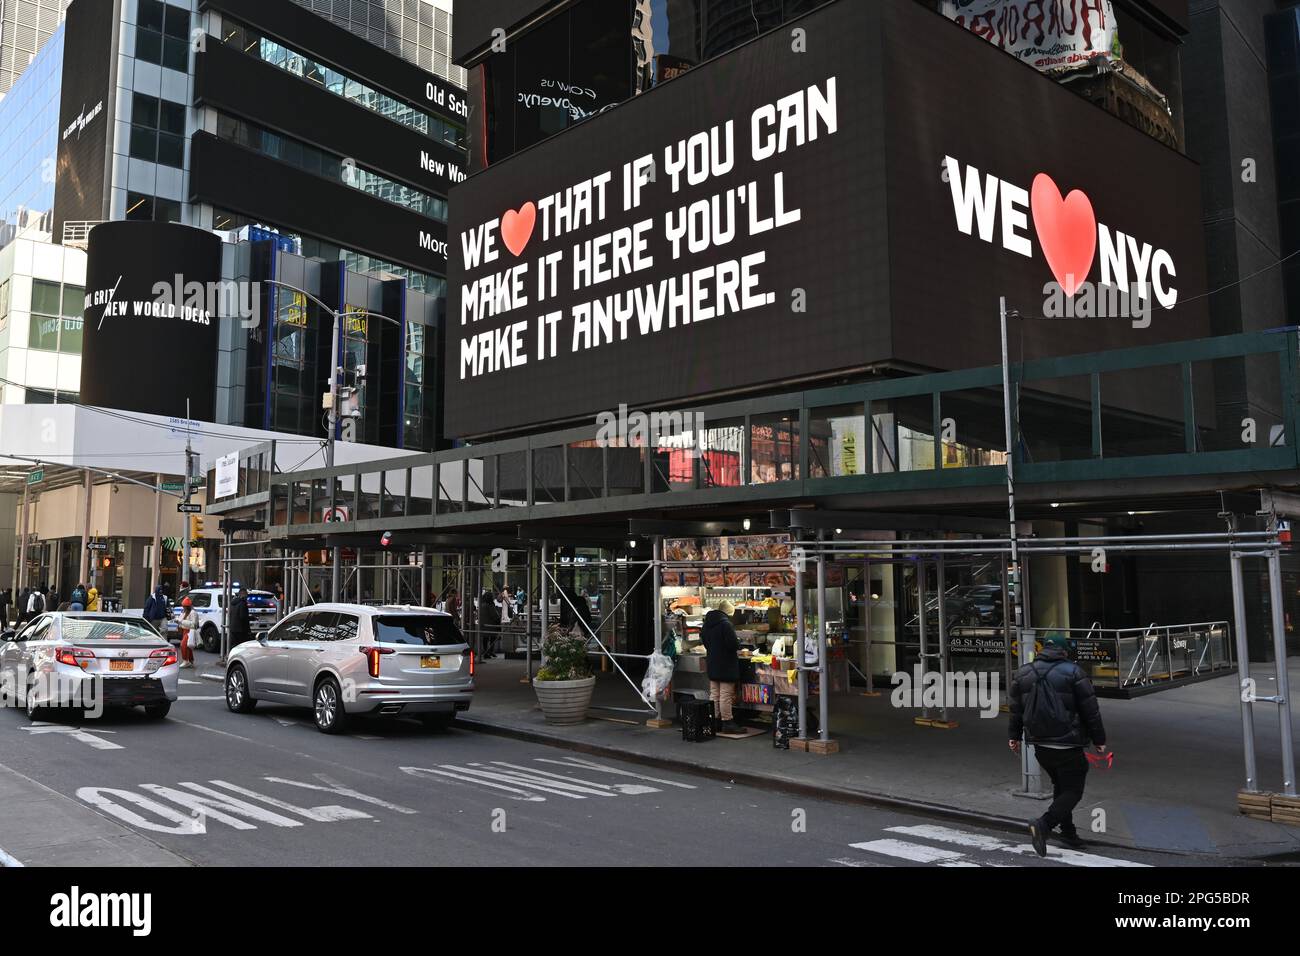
x=1067 y=229
x=517 y=227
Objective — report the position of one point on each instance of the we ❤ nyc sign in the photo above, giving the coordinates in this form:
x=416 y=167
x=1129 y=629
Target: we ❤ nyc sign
x=1073 y=241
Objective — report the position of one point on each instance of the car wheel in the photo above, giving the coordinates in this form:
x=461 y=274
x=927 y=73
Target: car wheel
x=238 y=698
x=29 y=701
x=208 y=637
x=327 y=703
x=438 y=721
x=157 y=711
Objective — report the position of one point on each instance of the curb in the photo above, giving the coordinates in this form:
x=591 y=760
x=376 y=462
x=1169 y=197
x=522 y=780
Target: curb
x=788 y=785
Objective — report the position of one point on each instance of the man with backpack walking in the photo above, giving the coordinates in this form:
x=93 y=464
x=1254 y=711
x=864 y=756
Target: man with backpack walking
x=1054 y=706
x=36 y=602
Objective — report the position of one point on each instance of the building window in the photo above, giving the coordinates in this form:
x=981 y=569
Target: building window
x=320 y=163
x=158 y=130
x=250 y=41
x=140 y=207
x=4 y=304
x=162 y=35
x=56 y=317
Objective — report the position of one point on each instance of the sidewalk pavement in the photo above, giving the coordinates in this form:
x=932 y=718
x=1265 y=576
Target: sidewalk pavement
x=1178 y=759
x=45 y=828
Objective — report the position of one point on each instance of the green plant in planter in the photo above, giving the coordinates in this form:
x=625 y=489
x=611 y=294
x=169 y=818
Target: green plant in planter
x=565 y=655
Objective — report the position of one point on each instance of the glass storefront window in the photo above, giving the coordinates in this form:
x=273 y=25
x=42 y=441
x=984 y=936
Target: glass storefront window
x=837 y=442
x=774 y=448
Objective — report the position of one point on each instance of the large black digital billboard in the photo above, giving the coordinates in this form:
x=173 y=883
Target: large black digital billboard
x=831 y=197
x=150 y=339
x=86 y=109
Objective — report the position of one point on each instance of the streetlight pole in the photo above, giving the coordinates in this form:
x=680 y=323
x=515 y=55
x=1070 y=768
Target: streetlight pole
x=1030 y=774
x=336 y=371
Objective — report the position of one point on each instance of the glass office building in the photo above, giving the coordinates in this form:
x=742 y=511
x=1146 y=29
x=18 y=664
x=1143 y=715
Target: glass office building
x=29 y=138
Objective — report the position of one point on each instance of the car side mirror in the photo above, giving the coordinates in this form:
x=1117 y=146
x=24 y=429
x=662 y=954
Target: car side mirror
x=7 y=635
x=261 y=639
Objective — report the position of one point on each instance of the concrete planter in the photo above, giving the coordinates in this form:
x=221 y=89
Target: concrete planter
x=564 y=701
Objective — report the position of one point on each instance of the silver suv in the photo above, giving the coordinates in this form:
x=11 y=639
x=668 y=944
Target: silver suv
x=346 y=659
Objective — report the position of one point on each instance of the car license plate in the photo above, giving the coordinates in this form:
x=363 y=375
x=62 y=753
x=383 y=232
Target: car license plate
x=434 y=662
x=121 y=665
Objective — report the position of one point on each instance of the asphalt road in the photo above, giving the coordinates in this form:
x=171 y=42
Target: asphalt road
x=209 y=787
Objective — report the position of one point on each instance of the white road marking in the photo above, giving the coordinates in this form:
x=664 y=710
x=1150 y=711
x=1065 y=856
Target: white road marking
x=912 y=852
x=850 y=861
x=629 y=789
x=182 y=680
x=513 y=791
x=605 y=768
x=76 y=733
x=202 y=803
x=7 y=860
x=535 y=783
x=981 y=842
x=327 y=814
x=333 y=786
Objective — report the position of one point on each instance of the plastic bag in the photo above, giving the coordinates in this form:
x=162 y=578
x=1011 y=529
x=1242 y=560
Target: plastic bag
x=658 y=675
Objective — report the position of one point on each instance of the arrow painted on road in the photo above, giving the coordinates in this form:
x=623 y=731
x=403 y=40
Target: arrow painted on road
x=76 y=733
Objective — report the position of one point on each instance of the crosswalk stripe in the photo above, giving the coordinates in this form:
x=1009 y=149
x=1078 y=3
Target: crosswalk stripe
x=513 y=791
x=979 y=841
x=912 y=852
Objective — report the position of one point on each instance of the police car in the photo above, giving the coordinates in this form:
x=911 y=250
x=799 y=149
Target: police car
x=208 y=602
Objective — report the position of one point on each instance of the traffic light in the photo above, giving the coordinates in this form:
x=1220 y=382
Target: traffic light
x=196 y=528
x=105 y=563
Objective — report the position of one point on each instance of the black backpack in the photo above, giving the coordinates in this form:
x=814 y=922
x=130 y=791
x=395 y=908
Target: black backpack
x=1046 y=717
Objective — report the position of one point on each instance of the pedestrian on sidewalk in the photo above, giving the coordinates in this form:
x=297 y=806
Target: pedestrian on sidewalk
x=78 y=599
x=5 y=601
x=36 y=602
x=489 y=624
x=189 y=632
x=1054 y=707
x=92 y=604
x=239 y=625
x=723 y=664
x=155 y=610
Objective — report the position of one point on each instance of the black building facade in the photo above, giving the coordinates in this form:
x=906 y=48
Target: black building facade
x=265 y=122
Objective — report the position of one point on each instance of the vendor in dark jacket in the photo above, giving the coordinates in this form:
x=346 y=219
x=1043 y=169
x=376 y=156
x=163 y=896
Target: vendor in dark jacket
x=1059 y=749
x=720 y=641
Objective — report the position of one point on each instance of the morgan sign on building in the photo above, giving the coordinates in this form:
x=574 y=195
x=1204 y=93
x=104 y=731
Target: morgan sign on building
x=813 y=204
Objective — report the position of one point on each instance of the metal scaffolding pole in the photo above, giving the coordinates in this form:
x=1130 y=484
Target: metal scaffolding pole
x=1243 y=672
x=942 y=595
x=922 y=635
x=656 y=602
x=546 y=593
x=528 y=616
x=823 y=671
x=866 y=618
x=799 y=652
x=1279 y=663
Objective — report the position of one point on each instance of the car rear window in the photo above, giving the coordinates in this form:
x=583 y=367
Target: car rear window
x=81 y=629
x=427 y=629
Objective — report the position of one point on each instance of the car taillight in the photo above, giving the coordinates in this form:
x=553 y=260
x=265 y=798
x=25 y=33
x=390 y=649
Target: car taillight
x=471 y=663
x=372 y=658
x=74 y=656
x=165 y=655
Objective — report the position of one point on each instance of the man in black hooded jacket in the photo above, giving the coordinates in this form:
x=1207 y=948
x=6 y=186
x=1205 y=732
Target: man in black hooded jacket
x=1059 y=750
